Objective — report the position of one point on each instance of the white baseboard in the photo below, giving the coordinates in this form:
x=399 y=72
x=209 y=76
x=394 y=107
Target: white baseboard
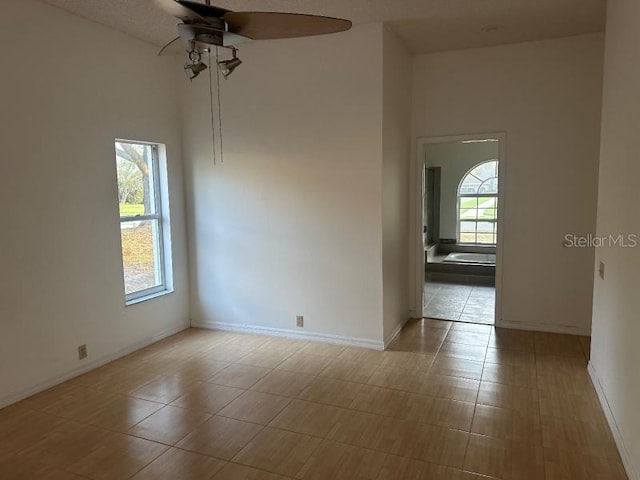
x=545 y=327
x=281 y=332
x=392 y=336
x=617 y=436
x=85 y=367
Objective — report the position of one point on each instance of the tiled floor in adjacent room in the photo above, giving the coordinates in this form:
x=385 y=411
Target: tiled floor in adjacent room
x=476 y=403
x=459 y=301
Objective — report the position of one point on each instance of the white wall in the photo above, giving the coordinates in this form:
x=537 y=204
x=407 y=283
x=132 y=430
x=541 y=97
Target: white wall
x=69 y=88
x=546 y=96
x=396 y=151
x=616 y=329
x=290 y=223
x=455 y=161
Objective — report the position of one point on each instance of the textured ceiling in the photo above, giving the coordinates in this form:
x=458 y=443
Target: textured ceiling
x=424 y=25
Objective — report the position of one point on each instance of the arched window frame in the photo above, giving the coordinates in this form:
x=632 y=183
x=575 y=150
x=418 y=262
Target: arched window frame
x=493 y=219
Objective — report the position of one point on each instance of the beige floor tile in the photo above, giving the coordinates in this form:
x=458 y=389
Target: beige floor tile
x=228 y=352
x=455 y=388
x=308 y=418
x=463 y=351
x=508 y=396
x=208 y=397
x=570 y=465
x=323 y=349
x=398 y=378
x=436 y=323
x=164 y=389
x=198 y=369
x=414 y=344
x=359 y=428
x=169 y=425
x=455 y=367
x=96 y=377
x=266 y=357
x=381 y=401
x=558 y=344
x=457 y=335
x=569 y=405
x=283 y=383
x=278 y=451
x=176 y=464
x=519 y=426
x=326 y=411
x=122 y=413
x=239 y=376
x=20 y=428
x=220 y=437
x=358 y=372
x=591 y=439
x=512 y=339
x=126 y=381
x=442 y=412
x=305 y=363
x=79 y=403
x=330 y=391
x=408 y=360
x=361 y=355
x=121 y=456
x=518 y=376
x=338 y=461
x=514 y=358
x=233 y=471
x=437 y=445
x=64 y=446
x=255 y=407
x=504 y=459
x=14 y=467
x=401 y=468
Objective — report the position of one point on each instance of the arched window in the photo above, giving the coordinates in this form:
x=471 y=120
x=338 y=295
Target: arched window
x=478 y=205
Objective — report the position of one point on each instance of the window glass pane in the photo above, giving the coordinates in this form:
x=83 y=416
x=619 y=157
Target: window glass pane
x=467 y=227
x=489 y=186
x=485 y=227
x=141 y=255
x=485 y=238
x=470 y=185
x=470 y=214
x=136 y=179
x=485 y=170
x=488 y=214
x=467 y=238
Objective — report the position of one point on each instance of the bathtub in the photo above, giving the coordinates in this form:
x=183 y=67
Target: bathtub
x=472 y=258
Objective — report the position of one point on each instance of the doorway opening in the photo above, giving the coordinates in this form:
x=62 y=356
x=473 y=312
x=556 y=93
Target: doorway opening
x=462 y=206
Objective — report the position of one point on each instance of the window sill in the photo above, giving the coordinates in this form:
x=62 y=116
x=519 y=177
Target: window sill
x=135 y=301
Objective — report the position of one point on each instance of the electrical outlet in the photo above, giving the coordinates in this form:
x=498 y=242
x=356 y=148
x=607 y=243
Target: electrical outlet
x=300 y=321
x=601 y=270
x=82 y=352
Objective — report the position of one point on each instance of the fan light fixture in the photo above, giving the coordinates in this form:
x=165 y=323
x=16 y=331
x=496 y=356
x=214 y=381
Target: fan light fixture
x=228 y=66
x=194 y=66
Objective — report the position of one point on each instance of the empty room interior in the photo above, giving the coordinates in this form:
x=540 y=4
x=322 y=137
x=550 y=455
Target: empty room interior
x=267 y=240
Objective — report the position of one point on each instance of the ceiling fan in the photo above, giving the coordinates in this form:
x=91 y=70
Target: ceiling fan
x=204 y=28
x=204 y=25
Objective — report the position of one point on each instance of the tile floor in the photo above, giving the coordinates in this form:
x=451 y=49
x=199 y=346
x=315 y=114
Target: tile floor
x=461 y=302
x=482 y=403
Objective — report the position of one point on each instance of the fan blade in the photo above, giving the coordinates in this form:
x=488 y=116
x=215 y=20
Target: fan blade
x=203 y=10
x=176 y=9
x=272 y=25
x=173 y=47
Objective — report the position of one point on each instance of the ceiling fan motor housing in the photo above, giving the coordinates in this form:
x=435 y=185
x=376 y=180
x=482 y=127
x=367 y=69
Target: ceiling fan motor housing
x=207 y=34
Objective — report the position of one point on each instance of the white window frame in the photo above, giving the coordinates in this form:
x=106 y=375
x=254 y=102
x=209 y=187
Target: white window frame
x=157 y=219
x=461 y=196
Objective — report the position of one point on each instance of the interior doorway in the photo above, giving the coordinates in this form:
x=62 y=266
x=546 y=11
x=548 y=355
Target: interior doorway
x=461 y=205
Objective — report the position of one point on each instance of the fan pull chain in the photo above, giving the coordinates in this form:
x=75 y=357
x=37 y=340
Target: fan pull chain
x=219 y=107
x=213 y=123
